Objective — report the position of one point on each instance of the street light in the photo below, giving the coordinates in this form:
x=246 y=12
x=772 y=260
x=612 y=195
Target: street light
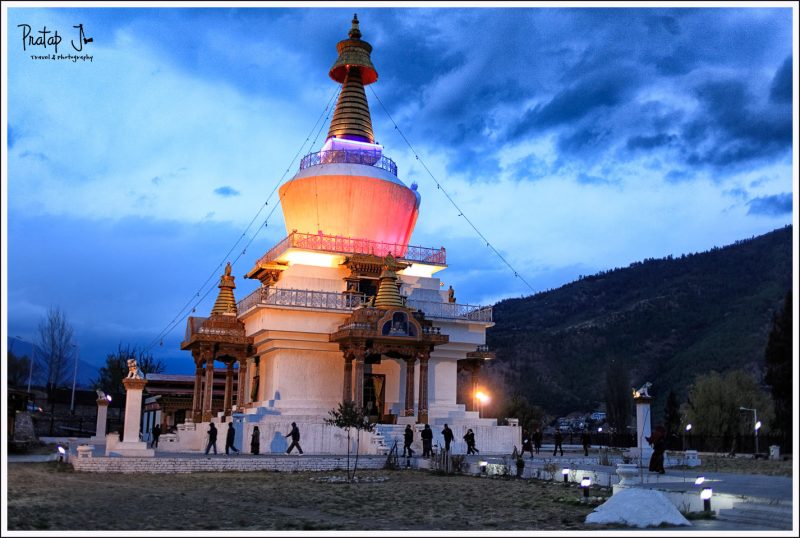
x=482 y=398
x=74 y=378
x=756 y=425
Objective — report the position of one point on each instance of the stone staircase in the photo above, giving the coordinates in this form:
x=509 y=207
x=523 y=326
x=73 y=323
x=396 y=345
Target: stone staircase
x=758 y=515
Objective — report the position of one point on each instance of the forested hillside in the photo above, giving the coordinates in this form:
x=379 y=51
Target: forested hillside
x=660 y=320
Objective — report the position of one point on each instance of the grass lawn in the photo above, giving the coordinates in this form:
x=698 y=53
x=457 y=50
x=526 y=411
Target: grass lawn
x=51 y=496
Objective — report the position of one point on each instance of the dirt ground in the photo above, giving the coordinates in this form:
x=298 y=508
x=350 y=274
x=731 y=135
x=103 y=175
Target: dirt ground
x=50 y=496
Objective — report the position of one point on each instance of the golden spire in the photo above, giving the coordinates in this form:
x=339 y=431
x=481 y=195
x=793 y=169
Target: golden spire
x=226 y=303
x=388 y=292
x=354 y=70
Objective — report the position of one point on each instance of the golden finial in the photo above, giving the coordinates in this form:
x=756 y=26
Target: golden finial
x=226 y=302
x=354 y=32
x=228 y=269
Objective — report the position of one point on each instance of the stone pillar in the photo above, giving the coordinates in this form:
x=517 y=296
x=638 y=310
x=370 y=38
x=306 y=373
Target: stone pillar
x=102 y=415
x=197 y=395
x=358 y=397
x=347 y=382
x=422 y=407
x=409 y=403
x=227 y=404
x=130 y=445
x=241 y=387
x=643 y=427
x=208 y=393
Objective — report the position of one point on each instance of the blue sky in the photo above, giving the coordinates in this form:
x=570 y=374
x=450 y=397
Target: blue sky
x=576 y=140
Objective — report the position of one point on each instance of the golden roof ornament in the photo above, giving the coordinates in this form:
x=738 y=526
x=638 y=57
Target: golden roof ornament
x=388 y=291
x=226 y=302
x=354 y=70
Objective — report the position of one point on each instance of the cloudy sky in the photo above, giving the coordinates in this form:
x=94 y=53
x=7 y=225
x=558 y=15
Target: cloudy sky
x=576 y=140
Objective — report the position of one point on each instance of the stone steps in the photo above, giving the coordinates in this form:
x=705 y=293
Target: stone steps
x=762 y=515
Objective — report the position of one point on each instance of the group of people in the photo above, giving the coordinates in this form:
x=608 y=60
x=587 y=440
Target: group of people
x=255 y=440
x=427 y=440
x=532 y=443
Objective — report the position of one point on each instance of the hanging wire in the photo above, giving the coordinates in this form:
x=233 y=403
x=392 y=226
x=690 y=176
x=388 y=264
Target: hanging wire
x=184 y=312
x=441 y=188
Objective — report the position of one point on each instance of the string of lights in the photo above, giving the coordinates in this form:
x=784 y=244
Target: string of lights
x=449 y=198
x=200 y=294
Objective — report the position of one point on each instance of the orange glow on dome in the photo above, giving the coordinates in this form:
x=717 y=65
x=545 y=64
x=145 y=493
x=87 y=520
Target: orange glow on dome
x=356 y=206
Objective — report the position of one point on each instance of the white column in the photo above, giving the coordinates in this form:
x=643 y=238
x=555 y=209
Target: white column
x=100 y=428
x=643 y=427
x=130 y=445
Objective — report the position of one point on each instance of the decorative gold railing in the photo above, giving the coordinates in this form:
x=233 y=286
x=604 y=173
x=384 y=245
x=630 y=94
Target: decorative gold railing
x=349 y=245
x=347 y=302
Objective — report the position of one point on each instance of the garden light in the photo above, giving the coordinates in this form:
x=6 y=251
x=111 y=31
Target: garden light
x=699 y=480
x=706 y=496
x=483 y=465
x=758 y=425
x=586 y=482
x=688 y=427
x=565 y=472
x=61 y=453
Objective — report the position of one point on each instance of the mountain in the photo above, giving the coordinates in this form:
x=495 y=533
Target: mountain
x=667 y=319
x=86 y=373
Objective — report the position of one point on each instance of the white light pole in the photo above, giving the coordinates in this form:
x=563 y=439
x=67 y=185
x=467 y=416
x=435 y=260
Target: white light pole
x=74 y=378
x=756 y=423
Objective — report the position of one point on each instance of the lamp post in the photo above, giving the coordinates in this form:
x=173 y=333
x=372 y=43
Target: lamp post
x=756 y=424
x=74 y=378
x=687 y=430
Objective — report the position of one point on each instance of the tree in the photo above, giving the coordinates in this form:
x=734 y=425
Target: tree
x=778 y=367
x=530 y=416
x=116 y=368
x=618 y=395
x=714 y=405
x=347 y=416
x=672 y=416
x=18 y=369
x=55 y=348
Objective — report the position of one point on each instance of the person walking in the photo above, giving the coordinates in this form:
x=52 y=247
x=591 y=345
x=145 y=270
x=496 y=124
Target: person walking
x=156 y=434
x=527 y=445
x=295 y=434
x=230 y=437
x=658 y=441
x=255 y=441
x=537 y=440
x=585 y=442
x=469 y=438
x=427 y=441
x=408 y=438
x=212 y=438
x=447 y=433
x=558 y=440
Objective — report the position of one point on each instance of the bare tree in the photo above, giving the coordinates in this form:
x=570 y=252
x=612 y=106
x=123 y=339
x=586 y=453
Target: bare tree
x=54 y=348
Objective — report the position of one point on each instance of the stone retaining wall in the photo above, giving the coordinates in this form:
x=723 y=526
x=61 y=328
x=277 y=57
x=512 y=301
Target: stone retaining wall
x=221 y=463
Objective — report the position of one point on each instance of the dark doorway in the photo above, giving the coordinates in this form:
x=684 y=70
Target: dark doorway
x=374 y=396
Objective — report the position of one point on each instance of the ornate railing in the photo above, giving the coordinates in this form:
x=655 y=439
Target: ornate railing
x=452 y=310
x=350 y=156
x=326 y=300
x=347 y=302
x=349 y=245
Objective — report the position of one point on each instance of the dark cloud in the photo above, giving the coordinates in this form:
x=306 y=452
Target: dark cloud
x=582 y=141
x=226 y=191
x=574 y=103
x=772 y=206
x=737 y=192
x=12 y=136
x=781 y=89
x=731 y=127
x=650 y=142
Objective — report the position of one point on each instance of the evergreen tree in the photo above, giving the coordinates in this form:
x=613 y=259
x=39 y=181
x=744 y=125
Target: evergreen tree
x=778 y=368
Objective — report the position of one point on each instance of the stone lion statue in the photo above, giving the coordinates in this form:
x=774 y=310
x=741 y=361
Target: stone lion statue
x=133 y=370
x=643 y=391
